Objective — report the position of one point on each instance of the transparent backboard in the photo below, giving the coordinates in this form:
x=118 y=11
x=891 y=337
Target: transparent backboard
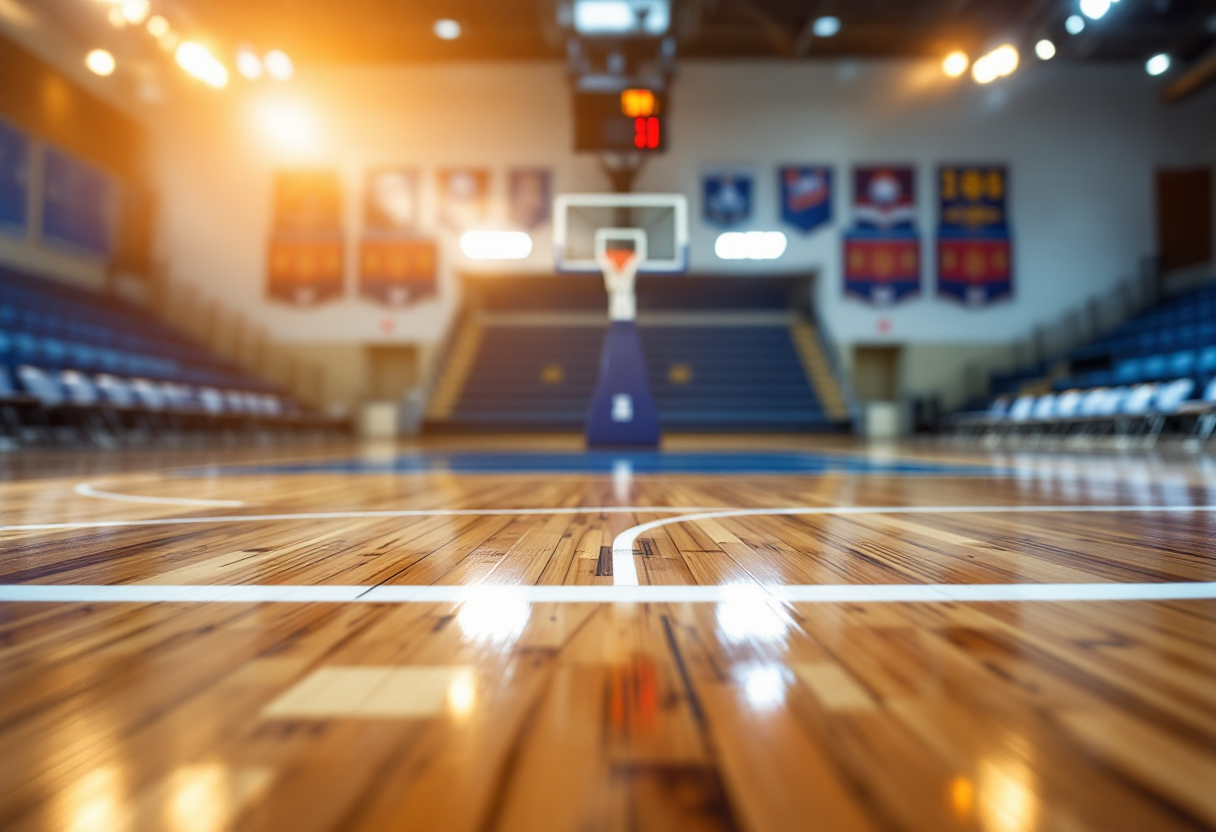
x=662 y=217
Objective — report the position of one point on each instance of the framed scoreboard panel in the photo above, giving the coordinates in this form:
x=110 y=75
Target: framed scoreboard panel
x=618 y=121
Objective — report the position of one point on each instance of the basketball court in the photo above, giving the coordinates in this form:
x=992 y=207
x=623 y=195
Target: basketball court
x=607 y=416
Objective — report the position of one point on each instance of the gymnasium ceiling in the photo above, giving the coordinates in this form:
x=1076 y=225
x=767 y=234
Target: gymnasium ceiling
x=397 y=30
x=394 y=31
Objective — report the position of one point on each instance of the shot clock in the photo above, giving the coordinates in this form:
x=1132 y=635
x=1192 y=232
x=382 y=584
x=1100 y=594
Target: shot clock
x=617 y=121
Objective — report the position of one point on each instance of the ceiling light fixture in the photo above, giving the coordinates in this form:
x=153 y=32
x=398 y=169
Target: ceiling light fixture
x=158 y=27
x=1045 y=49
x=998 y=63
x=1075 y=24
x=136 y=11
x=100 y=62
x=248 y=63
x=622 y=17
x=278 y=65
x=198 y=61
x=1095 y=9
x=446 y=29
x=955 y=64
x=1157 y=64
x=825 y=27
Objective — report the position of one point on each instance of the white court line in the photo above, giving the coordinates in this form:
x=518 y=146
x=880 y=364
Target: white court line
x=86 y=489
x=348 y=515
x=829 y=593
x=625 y=573
x=700 y=513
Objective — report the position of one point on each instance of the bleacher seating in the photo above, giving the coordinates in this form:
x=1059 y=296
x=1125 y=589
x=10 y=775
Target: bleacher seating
x=1155 y=371
x=76 y=364
x=704 y=377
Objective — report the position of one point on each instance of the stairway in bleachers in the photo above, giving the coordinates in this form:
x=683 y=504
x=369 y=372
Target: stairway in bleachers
x=722 y=354
x=704 y=377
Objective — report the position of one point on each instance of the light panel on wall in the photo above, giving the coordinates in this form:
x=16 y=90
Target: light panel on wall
x=288 y=124
x=496 y=245
x=750 y=245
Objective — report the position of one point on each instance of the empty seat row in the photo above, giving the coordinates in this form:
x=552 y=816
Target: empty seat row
x=1144 y=409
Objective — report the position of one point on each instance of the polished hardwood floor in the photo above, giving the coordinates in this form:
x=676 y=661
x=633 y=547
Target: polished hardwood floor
x=901 y=638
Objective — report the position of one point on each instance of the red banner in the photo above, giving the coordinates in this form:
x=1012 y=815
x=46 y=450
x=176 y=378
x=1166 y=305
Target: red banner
x=974 y=261
x=397 y=272
x=305 y=271
x=881 y=270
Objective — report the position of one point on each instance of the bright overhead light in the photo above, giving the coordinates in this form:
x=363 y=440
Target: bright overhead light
x=100 y=62
x=1045 y=49
x=117 y=19
x=198 y=61
x=1075 y=24
x=955 y=64
x=446 y=29
x=1157 y=64
x=998 y=63
x=278 y=65
x=158 y=27
x=750 y=245
x=248 y=64
x=287 y=123
x=622 y=17
x=496 y=245
x=136 y=11
x=825 y=27
x=1094 y=9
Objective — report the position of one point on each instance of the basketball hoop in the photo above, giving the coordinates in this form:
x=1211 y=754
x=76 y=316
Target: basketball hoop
x=619 y=252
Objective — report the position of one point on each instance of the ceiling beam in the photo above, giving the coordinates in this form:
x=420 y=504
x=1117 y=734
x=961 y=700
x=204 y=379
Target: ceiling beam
x=1195 y=77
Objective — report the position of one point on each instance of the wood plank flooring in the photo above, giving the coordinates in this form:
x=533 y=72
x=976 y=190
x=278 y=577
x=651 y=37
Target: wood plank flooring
x=497 y=713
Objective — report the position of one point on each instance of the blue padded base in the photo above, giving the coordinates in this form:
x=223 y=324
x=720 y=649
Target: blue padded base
x=622 y=409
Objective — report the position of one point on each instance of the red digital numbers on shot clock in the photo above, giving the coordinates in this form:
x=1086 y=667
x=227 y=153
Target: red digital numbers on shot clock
x=646 y=133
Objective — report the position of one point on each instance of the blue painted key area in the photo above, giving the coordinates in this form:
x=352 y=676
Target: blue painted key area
x=607 y=462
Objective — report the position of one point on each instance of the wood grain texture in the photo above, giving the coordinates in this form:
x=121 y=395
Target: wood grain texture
x=501 y=715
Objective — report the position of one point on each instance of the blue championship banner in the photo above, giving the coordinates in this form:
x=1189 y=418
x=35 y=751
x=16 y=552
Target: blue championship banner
x=974 y=250
x=306 y=252
x=882 y=249
x=806 y=196
x=529 y=197
x=14 y=181
x=397 y=266
x=727 y=197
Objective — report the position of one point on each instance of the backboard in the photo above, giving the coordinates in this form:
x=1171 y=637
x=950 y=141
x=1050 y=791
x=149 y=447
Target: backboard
x=659 y=220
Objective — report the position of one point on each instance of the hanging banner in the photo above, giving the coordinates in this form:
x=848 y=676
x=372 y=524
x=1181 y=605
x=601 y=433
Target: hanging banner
x=974 y=248
x=882 y=249
x=806 y=196
x=727 y=197
x=397 y=272
x=529 y=197
x=390 y=200
x=14 y=181
x=463 y=197
x=305 y=270
x=396 y=265
x=307 y=251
